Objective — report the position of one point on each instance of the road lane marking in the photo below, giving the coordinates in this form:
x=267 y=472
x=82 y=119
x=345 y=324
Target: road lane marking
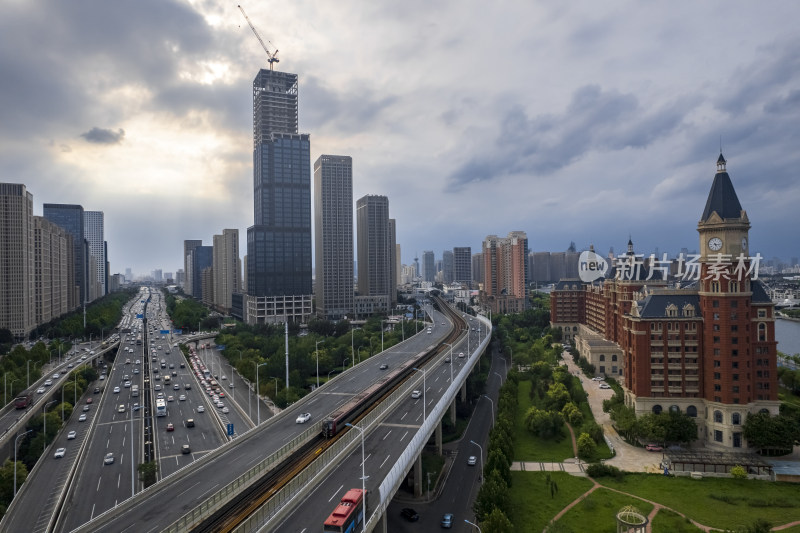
x=384 y=462
x=385 y=436
x=335 y=493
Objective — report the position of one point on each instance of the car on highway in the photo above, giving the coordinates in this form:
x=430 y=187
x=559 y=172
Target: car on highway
x=187 y=386
x=85 y=408
x=170 y=398
x=190 y=423
x=135 y=370
x=97 y=390
x=302 y=418
x=384 y=366
x=409 y=514
x=116 y=390
x=471 y=460
x=170 y=427
x=108 y=459
x=416 y=394
x=447 y=359
x=461 y=355
x=40 y=390
x=176 y=387
x=225 y=410
x=102 y=377
x=185 y=449
x=447 y=520
x=56 y=375
x=653 y=448
x=182 y=398
x=158 y=386
x=89 y=399
x=221 y=394
x=82 y=418
x=48 y=382
x=201 y=409
x=121 y=408
x=60 y=453
x=71 y=435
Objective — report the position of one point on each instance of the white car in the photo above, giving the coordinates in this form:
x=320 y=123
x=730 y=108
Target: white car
x=170 y=398
x=302 y=418
x=461 y=355
x=416 y=394
x=201 y=409
x=127 y=384
x=102 y=378
x=60 y=453
x=225 y=410
x=71 y=435
x=82 y=418
x=40 y=390
x=116 y=390
x=605 y=386
x=182 y=398
x=109 y=459
x=48 y=382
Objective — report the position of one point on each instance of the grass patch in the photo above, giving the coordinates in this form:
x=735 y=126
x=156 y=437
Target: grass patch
x=666 y=521
x=599 y=511
x=715 y=502
x=529 y=447
x=532 y=507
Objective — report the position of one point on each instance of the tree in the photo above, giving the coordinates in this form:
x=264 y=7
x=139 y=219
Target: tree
x=586 y=446
x=498 y=462
x=738 y=472
x=572 y=414
x=493 y=494
x=497 y=522
x=545 y=424
x=147 y=473
x=557 y=396
x=7 y=480
x=764 y=431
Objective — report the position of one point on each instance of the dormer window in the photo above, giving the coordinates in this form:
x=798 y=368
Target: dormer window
x=688 y=310
x=672 y=310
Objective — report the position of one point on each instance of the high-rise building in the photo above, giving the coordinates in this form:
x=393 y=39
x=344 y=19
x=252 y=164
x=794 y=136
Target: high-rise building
x=202 y=258
x=226 y=269
x=279 y=242
x=52 y=271
x=393 y=260
x=333 y=227
x=16 y=259
x=477 y=269
x=70 y=217
x=447 y=267
x=374 y=249
x=188 y=248
x=93 y=224
x=428 y=266
x=462 y=265
x=505 y=266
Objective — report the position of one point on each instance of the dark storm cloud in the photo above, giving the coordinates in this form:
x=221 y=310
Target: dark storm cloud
x=594 y=120
x=103 y=136
x=57 y=56
x=346 y=111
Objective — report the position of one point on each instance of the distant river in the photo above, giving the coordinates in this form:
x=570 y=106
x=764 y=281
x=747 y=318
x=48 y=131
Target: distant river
x=787 y=333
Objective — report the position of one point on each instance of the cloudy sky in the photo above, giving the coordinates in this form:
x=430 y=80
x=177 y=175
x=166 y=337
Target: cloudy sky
x=572 y=121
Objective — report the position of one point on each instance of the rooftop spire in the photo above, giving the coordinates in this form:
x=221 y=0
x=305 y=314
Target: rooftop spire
x=722 y=198
x=721 y=163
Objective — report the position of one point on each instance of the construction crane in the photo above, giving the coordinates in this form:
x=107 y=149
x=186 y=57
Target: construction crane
x=271 y=55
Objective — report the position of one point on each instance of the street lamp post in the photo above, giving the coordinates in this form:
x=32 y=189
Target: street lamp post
x=276 y=385
x=44 y=421
x=481 y=449
x=492 y=402
x=501 y=378
x=474 y=525
x=424 y=415
x=316 y=349
x=28 y=366
x=382 y=326
x=258 y=392
x=15 y=460
x=343 y=362
x=232 y=387
x=363 y=475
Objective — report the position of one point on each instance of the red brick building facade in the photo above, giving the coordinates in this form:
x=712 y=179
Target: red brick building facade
x=707 y=348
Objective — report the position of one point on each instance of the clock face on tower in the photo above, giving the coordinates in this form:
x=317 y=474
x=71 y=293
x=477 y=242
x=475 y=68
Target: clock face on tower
x=715 y=244
x=744 y=244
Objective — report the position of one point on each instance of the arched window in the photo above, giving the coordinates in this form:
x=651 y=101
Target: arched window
x=613 y=357
x=765 y=411
x=691 y=411
x=657 y=409
x=602 y=357
x=736 y=419
x=718 y=417
x=674 y=409
x=762 y=332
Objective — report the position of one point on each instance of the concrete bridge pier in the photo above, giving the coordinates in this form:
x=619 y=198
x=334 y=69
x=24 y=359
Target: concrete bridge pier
x=418 y=476
x=464 y=392
x=453 y=411
x=438 y=436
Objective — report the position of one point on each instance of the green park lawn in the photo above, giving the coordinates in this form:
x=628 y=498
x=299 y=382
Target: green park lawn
x=532 y=505
x=598 y=511
x=529 y=447
x=716 y=502
x=666 y=521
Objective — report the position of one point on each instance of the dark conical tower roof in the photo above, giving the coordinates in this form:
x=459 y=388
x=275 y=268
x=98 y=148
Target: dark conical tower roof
x=722 y=199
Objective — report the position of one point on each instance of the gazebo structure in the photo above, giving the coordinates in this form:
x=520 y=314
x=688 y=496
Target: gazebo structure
x=631 y=520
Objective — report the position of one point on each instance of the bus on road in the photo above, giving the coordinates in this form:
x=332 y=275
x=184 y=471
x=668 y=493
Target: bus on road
x=161 y=407
x=348 y=515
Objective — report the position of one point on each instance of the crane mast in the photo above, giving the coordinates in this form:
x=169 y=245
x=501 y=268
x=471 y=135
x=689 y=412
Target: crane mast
x=271 y=55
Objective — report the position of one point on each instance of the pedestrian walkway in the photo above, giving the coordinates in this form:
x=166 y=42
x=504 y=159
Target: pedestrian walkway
x=573 y=467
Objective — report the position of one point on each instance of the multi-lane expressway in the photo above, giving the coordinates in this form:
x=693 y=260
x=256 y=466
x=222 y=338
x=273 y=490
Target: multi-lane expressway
x=160 y=505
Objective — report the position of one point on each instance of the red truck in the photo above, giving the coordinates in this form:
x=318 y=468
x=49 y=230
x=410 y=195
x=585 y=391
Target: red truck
x=23 y=400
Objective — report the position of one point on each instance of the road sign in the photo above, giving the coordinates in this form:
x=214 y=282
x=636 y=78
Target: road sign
x=164 y=332
x=230 y=430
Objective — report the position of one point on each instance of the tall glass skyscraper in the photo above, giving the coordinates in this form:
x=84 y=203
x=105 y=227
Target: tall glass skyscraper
x=93 y=225
x=279 y=242
x=71 y=218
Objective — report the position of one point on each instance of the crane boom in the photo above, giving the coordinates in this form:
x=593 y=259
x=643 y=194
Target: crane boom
x=271 y=55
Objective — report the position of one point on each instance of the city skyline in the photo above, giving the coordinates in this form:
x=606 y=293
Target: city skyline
x=588 y=125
